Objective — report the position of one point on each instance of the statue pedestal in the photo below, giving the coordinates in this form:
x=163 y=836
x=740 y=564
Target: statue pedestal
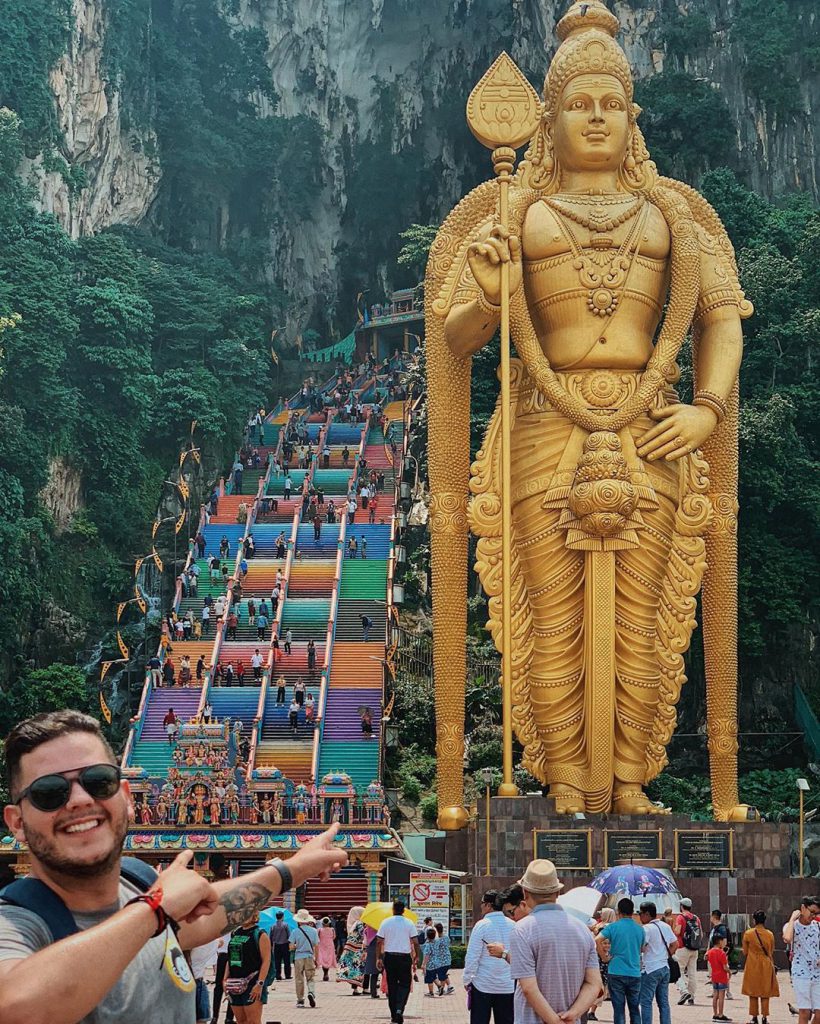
x=726 y=864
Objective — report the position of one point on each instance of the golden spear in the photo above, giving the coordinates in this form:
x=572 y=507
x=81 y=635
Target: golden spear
x=503 y=112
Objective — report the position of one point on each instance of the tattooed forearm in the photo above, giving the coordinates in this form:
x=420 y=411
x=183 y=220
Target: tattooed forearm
x=242 y=901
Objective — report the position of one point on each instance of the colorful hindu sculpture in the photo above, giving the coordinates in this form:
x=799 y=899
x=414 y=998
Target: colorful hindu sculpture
x=622 y=497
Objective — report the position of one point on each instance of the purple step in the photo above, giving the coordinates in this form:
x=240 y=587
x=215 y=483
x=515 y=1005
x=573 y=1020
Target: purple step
x=184 y=702
x=342 y=719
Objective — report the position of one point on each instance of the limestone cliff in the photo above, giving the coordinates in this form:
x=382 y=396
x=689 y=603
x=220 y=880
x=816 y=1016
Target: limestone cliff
x=386 y=80
x=122 y=176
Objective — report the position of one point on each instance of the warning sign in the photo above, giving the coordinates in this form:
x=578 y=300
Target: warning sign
x=430 y=896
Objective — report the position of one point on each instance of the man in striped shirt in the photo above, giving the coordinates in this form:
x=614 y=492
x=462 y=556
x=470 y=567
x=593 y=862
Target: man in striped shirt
x=552 y=955
x=487 y=977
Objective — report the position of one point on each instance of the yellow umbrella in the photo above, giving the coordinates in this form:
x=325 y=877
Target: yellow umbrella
x=375 y=913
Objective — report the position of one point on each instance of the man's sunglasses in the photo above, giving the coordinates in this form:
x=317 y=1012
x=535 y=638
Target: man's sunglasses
x=51 y=792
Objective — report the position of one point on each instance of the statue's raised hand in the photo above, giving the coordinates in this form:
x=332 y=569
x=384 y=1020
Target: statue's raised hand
x=486 y=257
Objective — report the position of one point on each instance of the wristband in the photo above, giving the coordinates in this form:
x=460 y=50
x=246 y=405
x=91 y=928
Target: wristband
x=153 y=900
x=486 y=306
x=284 y=873
x=712 y=401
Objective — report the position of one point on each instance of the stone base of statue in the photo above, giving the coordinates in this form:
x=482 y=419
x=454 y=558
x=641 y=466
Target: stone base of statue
x=730 y=865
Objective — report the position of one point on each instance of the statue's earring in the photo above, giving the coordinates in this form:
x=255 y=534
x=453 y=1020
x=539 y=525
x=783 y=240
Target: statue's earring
x=548 y=162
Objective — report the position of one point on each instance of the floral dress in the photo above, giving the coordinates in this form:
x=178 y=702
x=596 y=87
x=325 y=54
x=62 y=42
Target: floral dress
x=351 y=962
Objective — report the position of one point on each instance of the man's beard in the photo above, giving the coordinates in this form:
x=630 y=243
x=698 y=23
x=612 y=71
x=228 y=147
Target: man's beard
x=45 y=850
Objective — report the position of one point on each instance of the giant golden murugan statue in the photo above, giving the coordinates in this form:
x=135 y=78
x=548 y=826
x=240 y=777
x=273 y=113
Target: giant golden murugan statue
x=620 y=495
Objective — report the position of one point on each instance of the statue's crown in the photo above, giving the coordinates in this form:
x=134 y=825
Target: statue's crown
x=587 y=33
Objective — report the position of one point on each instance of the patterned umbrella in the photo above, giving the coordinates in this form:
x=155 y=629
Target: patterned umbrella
x=633 y=880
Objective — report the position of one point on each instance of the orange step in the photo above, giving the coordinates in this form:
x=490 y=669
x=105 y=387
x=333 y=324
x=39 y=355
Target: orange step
x=352 y=666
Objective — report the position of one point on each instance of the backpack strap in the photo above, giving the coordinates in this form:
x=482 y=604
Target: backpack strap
x=34 y=895
x=138 y=873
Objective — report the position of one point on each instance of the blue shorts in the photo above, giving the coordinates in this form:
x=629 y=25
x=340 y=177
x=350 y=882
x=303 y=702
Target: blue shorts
x=437 y=974
x=719 y=986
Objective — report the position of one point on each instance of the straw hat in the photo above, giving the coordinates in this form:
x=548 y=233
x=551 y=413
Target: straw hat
x=303 y=916
x=540 y=878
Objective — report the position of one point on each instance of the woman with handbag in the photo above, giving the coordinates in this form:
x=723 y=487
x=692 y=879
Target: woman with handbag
x=246 y=971
x=759 y=974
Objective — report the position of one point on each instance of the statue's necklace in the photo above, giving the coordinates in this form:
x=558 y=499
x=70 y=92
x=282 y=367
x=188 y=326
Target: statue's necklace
x=602 y=274
x=597 y=217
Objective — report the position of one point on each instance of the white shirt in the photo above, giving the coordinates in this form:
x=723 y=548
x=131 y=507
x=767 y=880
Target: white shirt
x=351 y=505
x=397 y=933
x=256 y=661
x=657 y=938
x=203 y=957
x=488 y=973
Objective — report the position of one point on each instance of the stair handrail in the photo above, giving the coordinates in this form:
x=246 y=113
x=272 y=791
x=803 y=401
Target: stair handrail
x=330 y=639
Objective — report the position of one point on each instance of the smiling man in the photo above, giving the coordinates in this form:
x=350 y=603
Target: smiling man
x=125 y=962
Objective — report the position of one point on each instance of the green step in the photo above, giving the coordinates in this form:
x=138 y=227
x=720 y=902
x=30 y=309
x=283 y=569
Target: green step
x=363 y=581
x=276 y=485
x=359 y=760
x=306 y=610
x=332 y=481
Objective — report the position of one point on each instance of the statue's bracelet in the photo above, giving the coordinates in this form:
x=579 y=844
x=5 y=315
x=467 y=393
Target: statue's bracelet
x=486 y=306
x=709 y=400
x=284 y=873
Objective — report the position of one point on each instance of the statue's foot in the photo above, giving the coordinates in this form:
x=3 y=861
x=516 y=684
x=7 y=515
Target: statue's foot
x=629 y=799
x=740 y=812
x=568 y=799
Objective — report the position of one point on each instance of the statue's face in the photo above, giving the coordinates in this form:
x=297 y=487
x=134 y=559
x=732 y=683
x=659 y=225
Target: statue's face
x=591 y=128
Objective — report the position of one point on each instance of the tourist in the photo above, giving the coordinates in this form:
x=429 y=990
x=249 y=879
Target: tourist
x=280 y=941
x=363 y=546
x=261 y=623
x=281 y=546
x=168 y=670
x=171 y=724
x=214 y=501
x=252 y=612
x=287 y=487
x=326 y=456
x=200 y=668
x=224 y=547
x=331 y=512
x=256 y=665
x=433 y=970
x=689 y=933
x=326 y=953
x=367 y=625
x=487 y=978
x=802 y=933
x=199 y=540
x=275 y=595
x=317 y=528
x=372 y=507
x=155 y=667
x=288 y=641
x=340 y=928
x=232 y=623
x=718 y=927
x=304 y=940
x=293 y=716
x=352 y=546
x=552 y=955
x=364 y=495
x=299 y=691
x=185 y=671
x=202 y=959
x=240 y=672
x=229 y=674
x=311 y=657
x=280 y=690
x=126 y=962
x=659 y=943
x=310 y=711
x=237 y=477
x=250 y=546
x=718 y=961
x=351 y=509
x=367 y=723
x=208 y=712
x=243 y=567
x=624 y=940
x=353 y=954
x=371 y=970
x=397 y=943
x=246 y=971
x=759 y=972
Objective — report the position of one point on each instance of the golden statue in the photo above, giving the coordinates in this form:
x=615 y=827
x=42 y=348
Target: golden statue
x=617 y=496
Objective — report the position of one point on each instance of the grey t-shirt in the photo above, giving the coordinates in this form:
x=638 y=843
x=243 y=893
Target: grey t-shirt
x=158 y=976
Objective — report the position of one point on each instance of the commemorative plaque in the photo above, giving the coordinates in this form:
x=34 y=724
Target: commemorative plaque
x=632 y=845
x=707 y=850
x=570 y=850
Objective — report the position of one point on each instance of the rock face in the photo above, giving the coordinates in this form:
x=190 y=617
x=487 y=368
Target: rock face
x=122 y=178
x=63 y=493
x=391 y=77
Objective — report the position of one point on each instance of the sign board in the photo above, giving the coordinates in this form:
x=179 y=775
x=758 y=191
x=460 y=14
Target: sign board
x=632 y=844
x=706 y=850
x=570 y=850
x=430 y=896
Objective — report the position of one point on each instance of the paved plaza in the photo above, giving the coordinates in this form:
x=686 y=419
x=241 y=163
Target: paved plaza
x=335 y=1004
